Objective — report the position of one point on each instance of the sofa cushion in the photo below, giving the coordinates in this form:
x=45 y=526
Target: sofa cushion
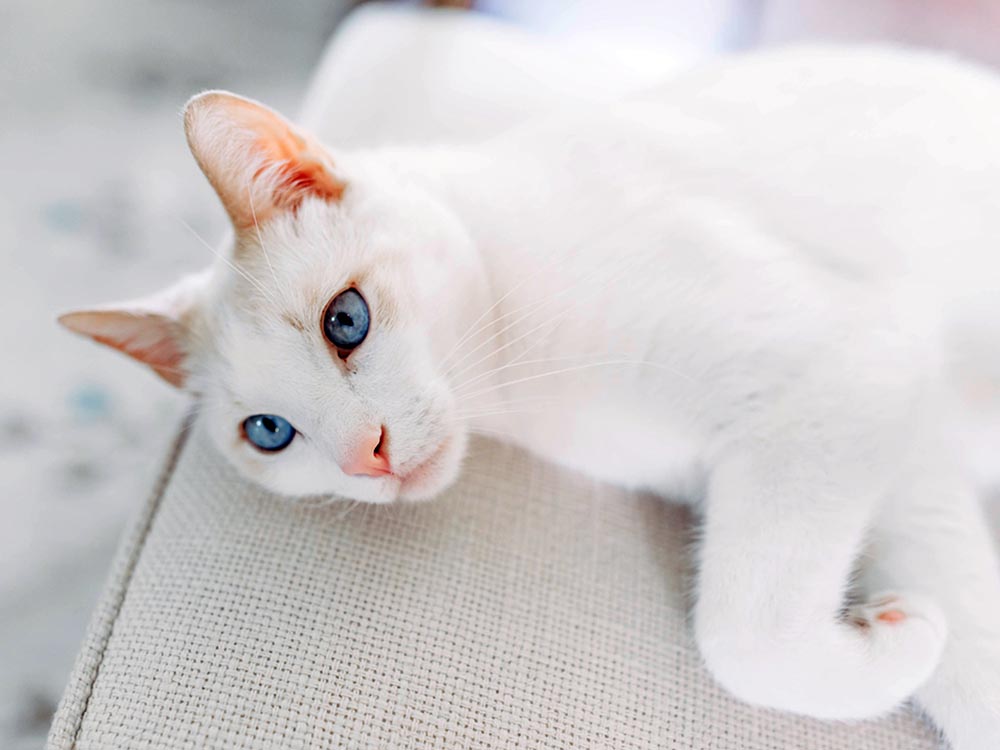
x=529 y=607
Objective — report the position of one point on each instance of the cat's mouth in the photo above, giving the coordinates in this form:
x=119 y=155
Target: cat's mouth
x=430 y=475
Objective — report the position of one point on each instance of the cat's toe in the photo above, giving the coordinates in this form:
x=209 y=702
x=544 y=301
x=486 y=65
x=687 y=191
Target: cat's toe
x=892 y=610
x=904 y=636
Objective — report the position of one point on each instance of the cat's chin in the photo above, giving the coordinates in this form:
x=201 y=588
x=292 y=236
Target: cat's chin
x=435 y=473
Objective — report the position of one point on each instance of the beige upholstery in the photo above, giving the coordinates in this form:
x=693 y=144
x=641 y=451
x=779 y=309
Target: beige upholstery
x=528 y=608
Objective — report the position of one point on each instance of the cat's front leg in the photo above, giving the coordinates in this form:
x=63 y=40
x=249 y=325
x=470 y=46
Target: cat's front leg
x=783 y=527
x=932 y=538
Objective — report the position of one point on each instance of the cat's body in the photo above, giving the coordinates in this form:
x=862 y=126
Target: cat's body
x=771 y=288
x=741 y=257
x=827 y=228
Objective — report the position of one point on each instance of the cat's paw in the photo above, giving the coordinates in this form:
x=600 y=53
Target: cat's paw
x=906 y=632
x=857 y=668
x=890 y=610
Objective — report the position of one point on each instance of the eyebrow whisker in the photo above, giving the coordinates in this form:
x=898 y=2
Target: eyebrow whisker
x=260 y=239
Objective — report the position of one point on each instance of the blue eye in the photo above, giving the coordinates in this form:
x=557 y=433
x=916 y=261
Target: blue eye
x=345 y=322
x=268 y=431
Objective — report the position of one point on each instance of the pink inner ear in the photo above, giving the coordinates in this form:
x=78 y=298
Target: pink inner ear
x=295 y=164
x=298 y=175
x=256 y=161
x=152 y=339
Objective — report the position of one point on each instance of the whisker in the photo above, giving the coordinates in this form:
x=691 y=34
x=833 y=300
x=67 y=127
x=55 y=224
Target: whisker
x=472 y=333
x=535 y=306
x=517 y=359
x=256 y=226
x=517 y=362
x=525 y=311
x=260 y=288
x=581 y=367
x=556 y=319
x=354 y=504
x=511 y=401
x=563 y=258
x=538 y=402
x=491 y=413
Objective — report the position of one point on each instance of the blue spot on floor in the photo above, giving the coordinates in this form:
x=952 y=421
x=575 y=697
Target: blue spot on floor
x=63 y=216
x=90 y=402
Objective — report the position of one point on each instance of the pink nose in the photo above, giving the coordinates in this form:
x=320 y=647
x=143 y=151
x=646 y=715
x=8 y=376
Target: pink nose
x=368 y=456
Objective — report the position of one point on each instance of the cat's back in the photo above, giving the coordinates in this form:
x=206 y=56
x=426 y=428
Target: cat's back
x=763 y=203
x=872 y=159
x=873 y=165
x=842 y=81
x=874 y=144
x=876 y=162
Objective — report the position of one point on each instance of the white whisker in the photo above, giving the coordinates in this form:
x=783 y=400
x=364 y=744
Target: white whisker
x=510 y=401
x=577 y=368
x=528 y=310
x=555 y=319
x=517 y=363
x=470 y=333
x=256 y=284
x=260 y=239
x=492 y=413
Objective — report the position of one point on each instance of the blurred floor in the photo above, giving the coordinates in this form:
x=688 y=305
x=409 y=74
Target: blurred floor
x=95 y=182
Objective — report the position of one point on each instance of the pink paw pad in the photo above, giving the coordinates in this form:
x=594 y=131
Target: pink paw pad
x=891 y=616
x=884 y=609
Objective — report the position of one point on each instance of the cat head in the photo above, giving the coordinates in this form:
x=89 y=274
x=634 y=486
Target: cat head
x=315 y=344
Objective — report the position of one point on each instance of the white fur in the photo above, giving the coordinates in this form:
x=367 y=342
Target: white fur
x=765 y=288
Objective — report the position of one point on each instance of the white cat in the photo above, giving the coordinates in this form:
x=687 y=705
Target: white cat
x=771 y=288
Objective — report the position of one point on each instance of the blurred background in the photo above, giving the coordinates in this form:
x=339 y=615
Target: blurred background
x=99 y=201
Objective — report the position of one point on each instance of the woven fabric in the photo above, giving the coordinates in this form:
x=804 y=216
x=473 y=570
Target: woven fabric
x=527 y=608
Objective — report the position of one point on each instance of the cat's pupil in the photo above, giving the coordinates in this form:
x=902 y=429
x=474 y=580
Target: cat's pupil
x=346 y=321
x=269 y=424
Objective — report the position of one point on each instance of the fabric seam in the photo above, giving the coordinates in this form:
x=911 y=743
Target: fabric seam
x=132 y=560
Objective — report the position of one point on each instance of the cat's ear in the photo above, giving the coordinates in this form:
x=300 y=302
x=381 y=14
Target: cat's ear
x=154 y=330
x=257 y=161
